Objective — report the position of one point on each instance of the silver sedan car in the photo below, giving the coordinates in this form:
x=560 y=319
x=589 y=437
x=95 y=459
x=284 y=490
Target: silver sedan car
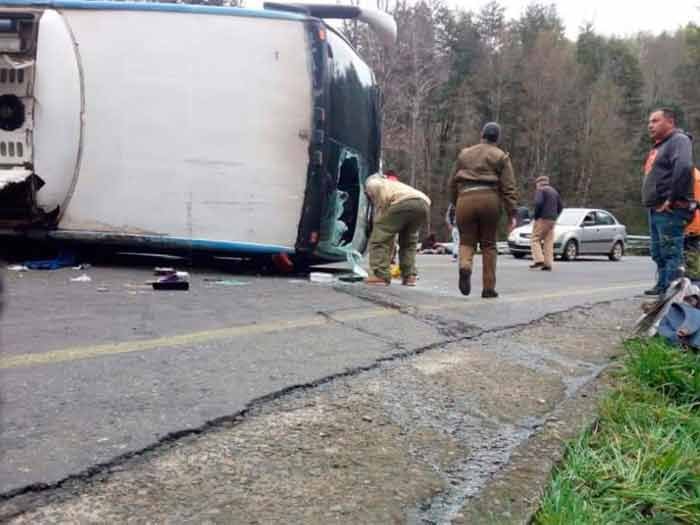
x=578 y=231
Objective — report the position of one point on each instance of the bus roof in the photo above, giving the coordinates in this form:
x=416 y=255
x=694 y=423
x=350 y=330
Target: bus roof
x=152 y=6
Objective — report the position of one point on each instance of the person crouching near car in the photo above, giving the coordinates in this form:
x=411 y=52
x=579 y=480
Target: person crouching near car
x=548 y=206
x=399 y=210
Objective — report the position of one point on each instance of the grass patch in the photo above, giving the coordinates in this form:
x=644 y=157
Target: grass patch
x=641 y=463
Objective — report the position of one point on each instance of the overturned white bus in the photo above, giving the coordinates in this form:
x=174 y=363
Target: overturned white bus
x=167 y=127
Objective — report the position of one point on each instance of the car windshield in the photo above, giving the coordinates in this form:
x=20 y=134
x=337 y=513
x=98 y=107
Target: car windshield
x=570 y=218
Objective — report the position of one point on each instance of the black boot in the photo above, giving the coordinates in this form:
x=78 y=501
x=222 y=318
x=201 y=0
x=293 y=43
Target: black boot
x=465 y=281
x=489 y=294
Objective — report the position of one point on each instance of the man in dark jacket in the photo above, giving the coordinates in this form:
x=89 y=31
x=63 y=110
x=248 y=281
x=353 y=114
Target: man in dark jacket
x=548 y=206
x=667 y=193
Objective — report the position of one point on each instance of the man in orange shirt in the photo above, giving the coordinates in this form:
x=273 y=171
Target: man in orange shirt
x=667 y=192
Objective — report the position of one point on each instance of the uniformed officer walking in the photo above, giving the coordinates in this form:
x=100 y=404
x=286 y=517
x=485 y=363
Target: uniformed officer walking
x=482 y=180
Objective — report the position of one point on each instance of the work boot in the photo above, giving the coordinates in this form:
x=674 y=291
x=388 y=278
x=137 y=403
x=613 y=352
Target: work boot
x=536 y=266
x=465 y=281
x=489 y=294
x=409 y=281
x=377 y=281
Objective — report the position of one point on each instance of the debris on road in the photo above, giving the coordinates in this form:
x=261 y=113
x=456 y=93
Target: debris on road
x=172 y=280
x=63 y=260
x=226 y=282
x=321 y=277
x=84 y=278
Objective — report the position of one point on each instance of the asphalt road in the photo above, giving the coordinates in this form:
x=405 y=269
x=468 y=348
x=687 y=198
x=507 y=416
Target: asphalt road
x=91 y=371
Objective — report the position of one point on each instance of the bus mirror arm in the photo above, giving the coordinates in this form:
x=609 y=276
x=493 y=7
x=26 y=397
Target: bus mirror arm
x=383 y=24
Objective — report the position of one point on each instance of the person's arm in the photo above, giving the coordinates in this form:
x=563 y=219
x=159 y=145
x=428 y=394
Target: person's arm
x=539 y=204
x=509 y=191
x=682 y=161
x=560 y=205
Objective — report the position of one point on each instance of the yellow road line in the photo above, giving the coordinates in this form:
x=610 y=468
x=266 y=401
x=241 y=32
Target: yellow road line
x=194 y=338
x=569 y=293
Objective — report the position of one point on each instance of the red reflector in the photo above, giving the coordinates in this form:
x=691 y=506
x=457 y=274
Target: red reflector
x=313 y=238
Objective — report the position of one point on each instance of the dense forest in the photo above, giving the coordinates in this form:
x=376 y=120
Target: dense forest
x=575 y=111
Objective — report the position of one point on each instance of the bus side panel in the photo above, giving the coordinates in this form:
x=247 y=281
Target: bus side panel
x=196 y=126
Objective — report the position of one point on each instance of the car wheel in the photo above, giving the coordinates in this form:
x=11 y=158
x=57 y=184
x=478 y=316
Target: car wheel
x=518 y=255
x=570 y=251
x=617 y=252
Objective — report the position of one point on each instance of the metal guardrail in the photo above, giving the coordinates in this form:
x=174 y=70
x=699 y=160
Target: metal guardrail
x=635 y=243
x=638 y=243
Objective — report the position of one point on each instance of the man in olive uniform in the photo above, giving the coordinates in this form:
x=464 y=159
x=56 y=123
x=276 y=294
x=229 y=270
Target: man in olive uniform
x=399 y=210
x=482 y=180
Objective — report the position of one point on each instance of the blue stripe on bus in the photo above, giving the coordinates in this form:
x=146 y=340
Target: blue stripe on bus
x=171 y=243
x=161 y=7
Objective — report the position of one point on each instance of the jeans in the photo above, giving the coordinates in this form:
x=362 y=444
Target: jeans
x=667 y=244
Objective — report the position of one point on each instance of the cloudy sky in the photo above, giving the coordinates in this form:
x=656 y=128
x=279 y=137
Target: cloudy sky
x=620 y=17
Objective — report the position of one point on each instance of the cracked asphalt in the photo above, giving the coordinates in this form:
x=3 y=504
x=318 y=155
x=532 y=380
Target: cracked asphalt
x=232 y=392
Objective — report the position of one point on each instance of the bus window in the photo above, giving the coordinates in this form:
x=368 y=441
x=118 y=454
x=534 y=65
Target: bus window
x=349 y=183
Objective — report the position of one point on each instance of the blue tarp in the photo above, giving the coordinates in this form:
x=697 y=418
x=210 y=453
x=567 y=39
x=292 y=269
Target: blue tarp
x=63 y=260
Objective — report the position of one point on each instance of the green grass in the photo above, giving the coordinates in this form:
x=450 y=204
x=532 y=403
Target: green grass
x=641 y=463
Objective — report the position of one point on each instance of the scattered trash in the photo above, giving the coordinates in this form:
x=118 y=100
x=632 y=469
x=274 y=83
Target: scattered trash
x=320 y=277
x=103 y=289
x=354 y=258
x=350 y=278
x=679 y=291
x=681 y=325
x=82 y=267
x=226 y=282
x=138 y=286
x=82 y=279
x=17 y=268
x=63 y=260
x=172 y=281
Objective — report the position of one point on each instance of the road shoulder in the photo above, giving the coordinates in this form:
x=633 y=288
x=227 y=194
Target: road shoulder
x=464 y=432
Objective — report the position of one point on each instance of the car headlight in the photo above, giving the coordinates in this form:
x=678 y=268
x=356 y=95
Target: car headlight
x=512 y=237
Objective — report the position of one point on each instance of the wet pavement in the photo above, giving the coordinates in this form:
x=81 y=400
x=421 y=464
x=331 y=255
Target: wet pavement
x=279 y=400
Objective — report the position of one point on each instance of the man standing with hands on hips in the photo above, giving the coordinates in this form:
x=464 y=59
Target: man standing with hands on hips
x=667 y=192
